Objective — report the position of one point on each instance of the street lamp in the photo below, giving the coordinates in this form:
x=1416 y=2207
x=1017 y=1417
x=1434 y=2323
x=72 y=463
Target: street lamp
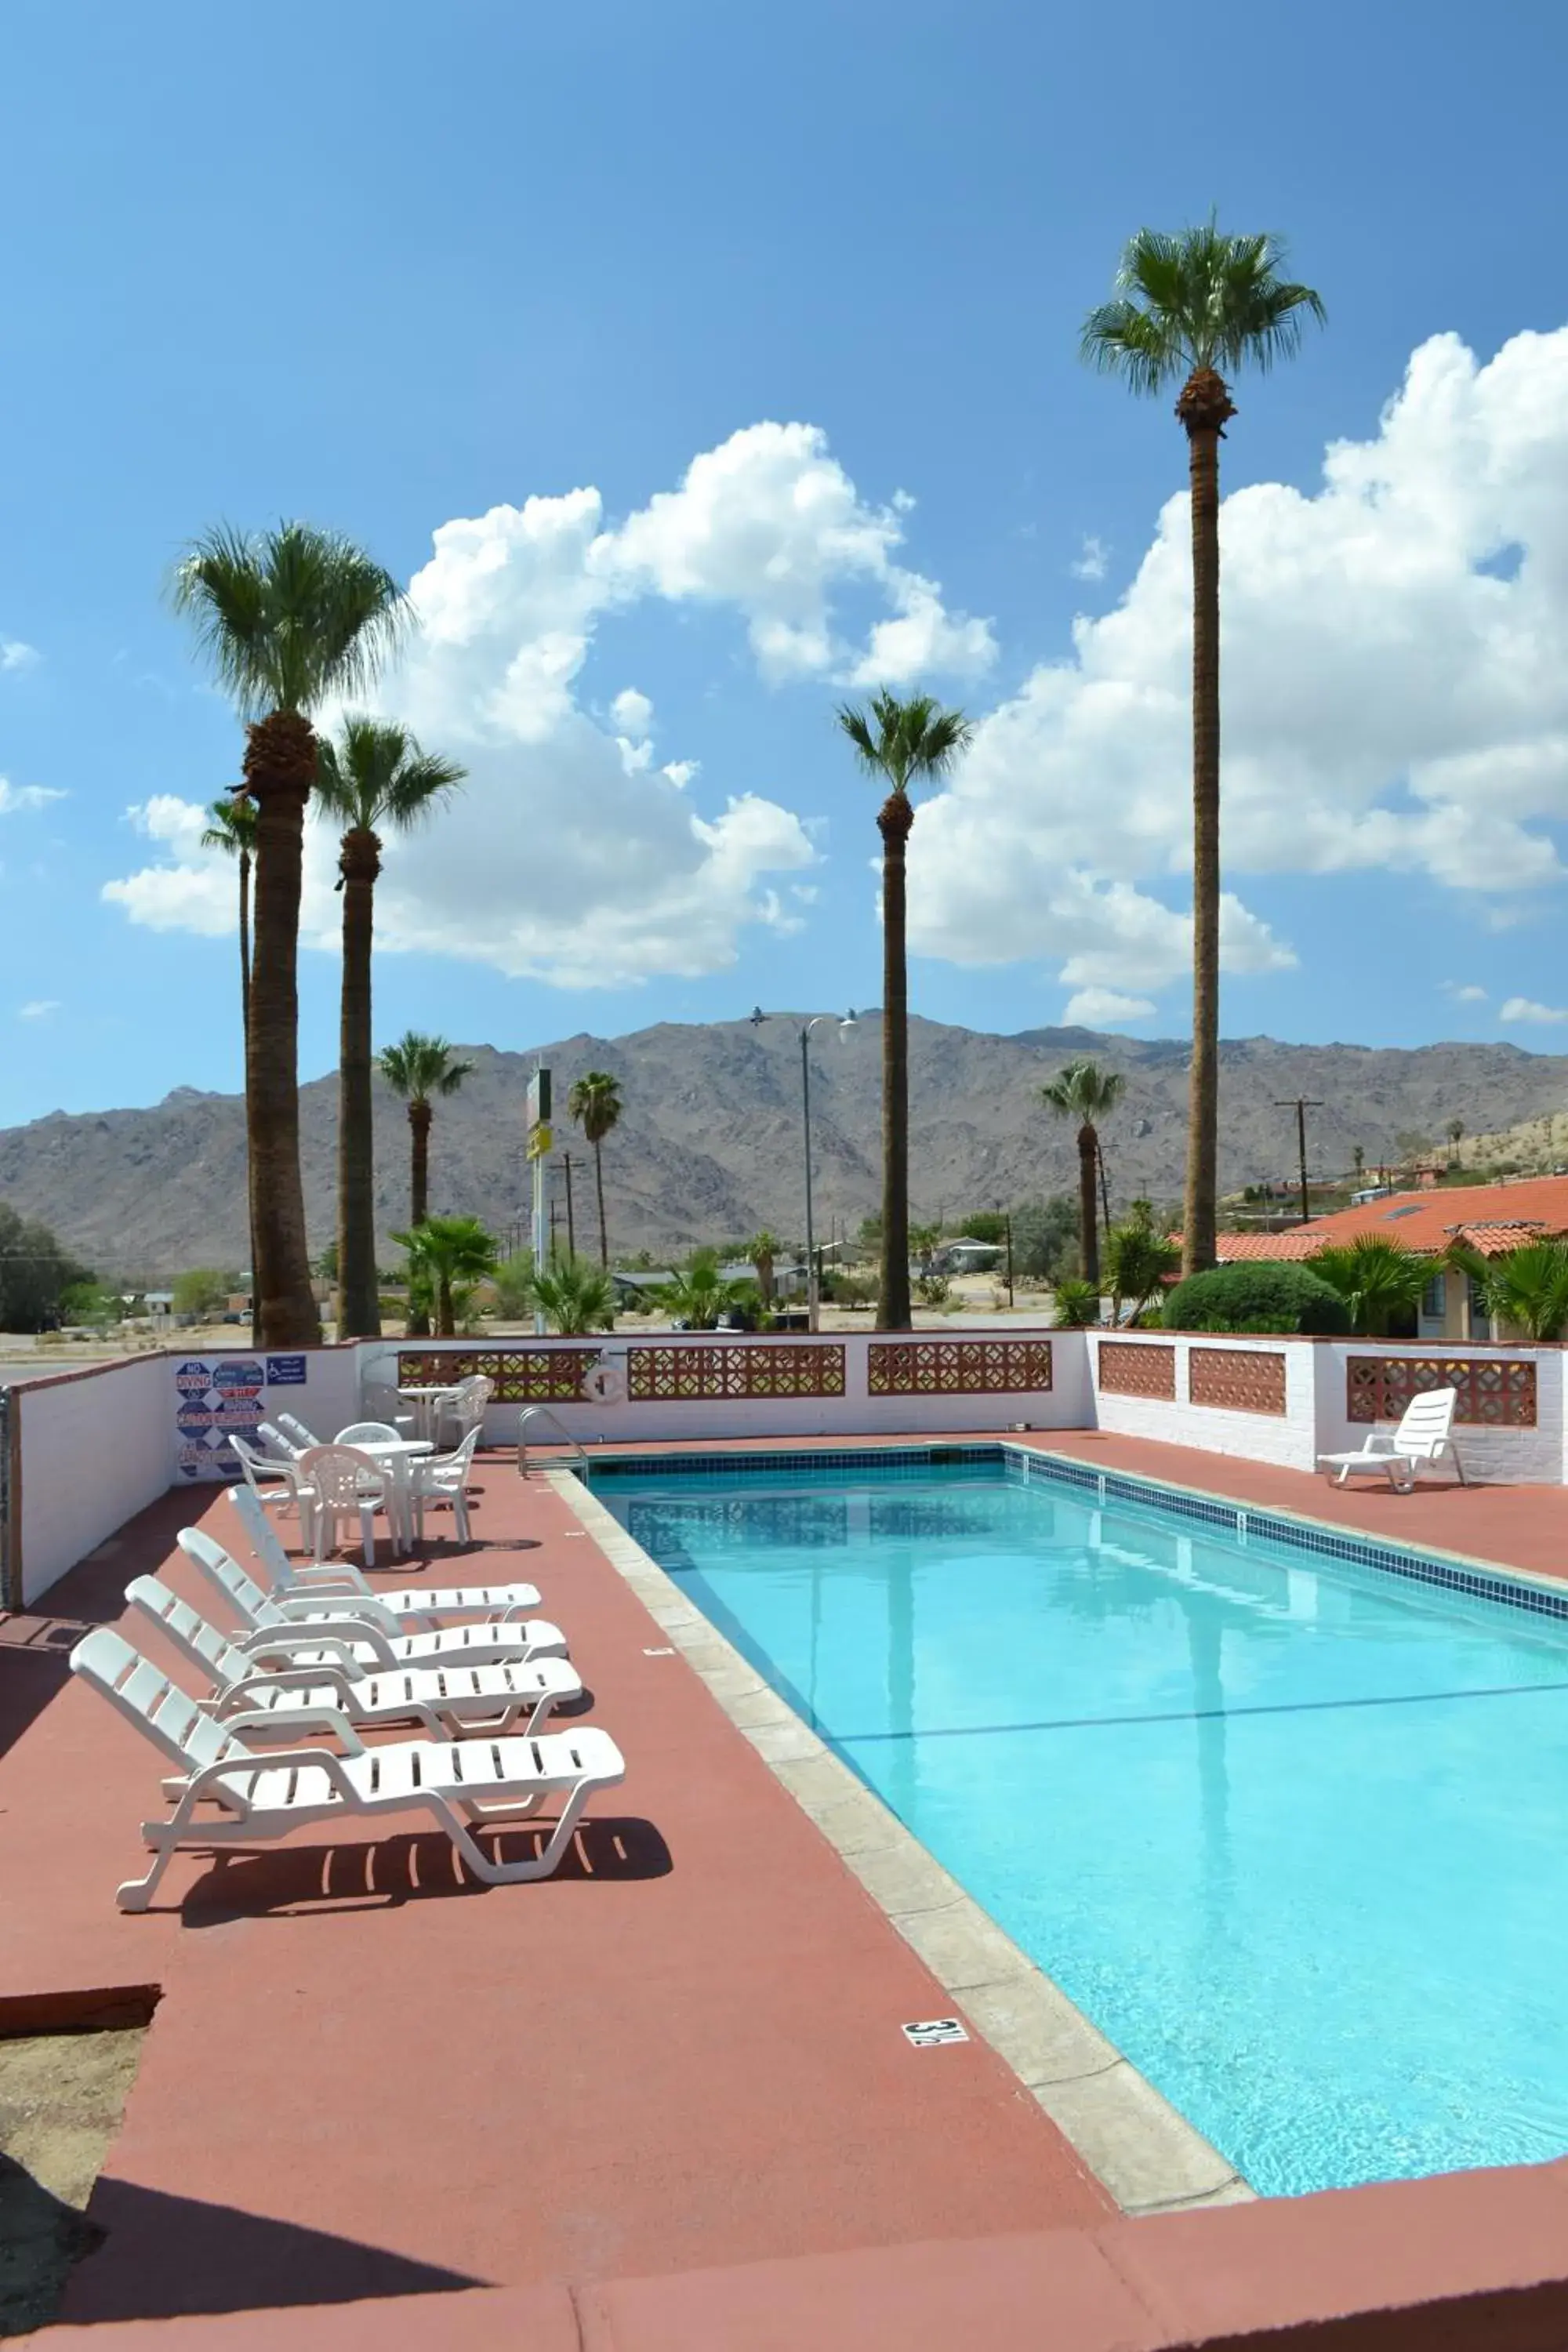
x=846 y=1020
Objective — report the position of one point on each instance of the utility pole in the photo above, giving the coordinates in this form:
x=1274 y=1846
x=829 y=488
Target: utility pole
x=571 y=1225
x=1301 y=1105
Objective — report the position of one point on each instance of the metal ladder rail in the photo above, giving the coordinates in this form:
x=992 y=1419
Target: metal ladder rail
x=529 y=1413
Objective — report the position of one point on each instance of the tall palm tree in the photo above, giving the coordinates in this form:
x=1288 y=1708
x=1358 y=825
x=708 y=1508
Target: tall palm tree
x=421 y=1069
x=372 y=779
x=763 y=1249
x=287 y=617
x=1088 y=1094
x=233 y=831
x=595 y=1102
x=1187 y=308
x=448 y=1251
x=899 y=744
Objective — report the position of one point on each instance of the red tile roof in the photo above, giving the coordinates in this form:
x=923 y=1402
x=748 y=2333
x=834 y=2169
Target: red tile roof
x=1493 y=1218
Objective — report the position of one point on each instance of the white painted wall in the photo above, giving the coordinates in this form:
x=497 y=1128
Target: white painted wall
x=1531 y=1455
x=96 y=1447
x=1065 y=1405
x=1287 y=1439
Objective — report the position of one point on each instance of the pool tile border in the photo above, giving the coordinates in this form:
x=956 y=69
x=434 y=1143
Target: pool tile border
x=1144 y=2152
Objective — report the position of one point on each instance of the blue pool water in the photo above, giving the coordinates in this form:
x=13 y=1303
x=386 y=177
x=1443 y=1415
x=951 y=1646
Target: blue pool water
x=1292 y=1833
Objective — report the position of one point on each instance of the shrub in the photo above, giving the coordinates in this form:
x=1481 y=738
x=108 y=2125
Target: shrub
x=1262 y=1296
x=932 y=1290
x=1077 y=1304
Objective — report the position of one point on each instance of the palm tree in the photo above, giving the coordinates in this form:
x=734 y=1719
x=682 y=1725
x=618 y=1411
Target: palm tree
x=576 y=1296
x=1088 y=1094
x=420 y=1069
x=899 y=744
x=1527 y=1289
x=448 y=1251
x=698 y=1293
x=1379 y=1281
x=595 y=1102
x=287 y=617
x=233 y=831
x=374 y=777
x=1456 y=1132
x=1187 y=307
x=762 y=1249
x=1139 y=1262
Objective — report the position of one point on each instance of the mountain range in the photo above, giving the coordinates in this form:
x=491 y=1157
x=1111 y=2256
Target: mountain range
x=709 y=1146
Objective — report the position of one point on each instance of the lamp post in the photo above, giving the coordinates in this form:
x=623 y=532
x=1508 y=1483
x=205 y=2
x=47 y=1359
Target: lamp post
x=846 y=1020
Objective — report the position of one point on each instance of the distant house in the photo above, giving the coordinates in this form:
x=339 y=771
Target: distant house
x=1491 y=1218
x=963 y=1256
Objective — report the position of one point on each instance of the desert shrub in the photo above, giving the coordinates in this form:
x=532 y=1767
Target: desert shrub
x=1262 y=1296
x=1076 y=1303
x=932 y=1290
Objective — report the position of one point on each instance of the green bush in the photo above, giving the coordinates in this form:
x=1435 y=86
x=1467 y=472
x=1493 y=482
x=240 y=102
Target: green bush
x=1262 y=1296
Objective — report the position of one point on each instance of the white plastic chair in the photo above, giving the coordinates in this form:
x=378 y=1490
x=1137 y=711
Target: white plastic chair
x=258 y=1701
x=460 y=1784
x=276 y=1485
x=381 y=1399
x=371 y=1433
x=441 y=1482
x=346 y=1484
x=296 y=1432
x=452 y=1416
x=422 y=1605
x=1424 y=1434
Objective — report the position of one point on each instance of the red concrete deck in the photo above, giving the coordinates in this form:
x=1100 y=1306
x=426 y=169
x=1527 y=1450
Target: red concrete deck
x=661 y=2101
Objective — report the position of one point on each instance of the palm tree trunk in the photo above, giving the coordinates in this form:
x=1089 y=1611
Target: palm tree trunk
x=599 y=1188
x=359 y=1311
x=418 y=1324
x=244 y=1038
x=279 y=769
x=1087 y=1206
x=893 y=822
x=1204 y=408
x=446 y=1320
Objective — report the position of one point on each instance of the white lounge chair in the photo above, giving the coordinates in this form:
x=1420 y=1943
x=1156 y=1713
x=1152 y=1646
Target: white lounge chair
x=1424 y=1434
x=413 y=1605
x=257 y=1700
x=295 y=1430
x=296 y=1624
x=459 y=1783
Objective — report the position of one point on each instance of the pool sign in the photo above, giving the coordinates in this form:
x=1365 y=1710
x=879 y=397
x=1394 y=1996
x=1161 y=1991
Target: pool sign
x=214 y=1399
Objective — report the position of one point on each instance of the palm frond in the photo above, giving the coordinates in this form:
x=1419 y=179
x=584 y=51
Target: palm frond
x=375 y=775
x=1199 y=299
x=233 y=826
x=288 y=617
x=1085 y=1092
x=418 y=1067
x=898 y=742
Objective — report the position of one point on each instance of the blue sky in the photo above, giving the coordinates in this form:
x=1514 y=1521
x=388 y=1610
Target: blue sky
x=389 y=269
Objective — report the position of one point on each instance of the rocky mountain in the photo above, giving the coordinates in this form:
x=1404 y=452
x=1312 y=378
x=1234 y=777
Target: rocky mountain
x=710 y=1145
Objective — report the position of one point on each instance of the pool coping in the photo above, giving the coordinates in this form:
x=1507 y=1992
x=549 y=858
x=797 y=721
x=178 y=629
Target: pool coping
x=1143 y=2152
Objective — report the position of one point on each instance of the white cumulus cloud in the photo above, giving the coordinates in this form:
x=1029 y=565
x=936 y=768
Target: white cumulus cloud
x=1093 y=1008
x=1093 y=561
x=1524 y=1008
x=40 y=1009
x=1394 y=695
x=571 y=855
x=1462 y=992
x=15 y=655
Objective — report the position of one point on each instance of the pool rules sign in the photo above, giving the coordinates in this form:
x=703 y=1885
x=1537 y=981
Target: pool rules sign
x=219 y=1398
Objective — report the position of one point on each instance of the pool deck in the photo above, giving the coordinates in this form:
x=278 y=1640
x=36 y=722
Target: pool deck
x=663 y=2099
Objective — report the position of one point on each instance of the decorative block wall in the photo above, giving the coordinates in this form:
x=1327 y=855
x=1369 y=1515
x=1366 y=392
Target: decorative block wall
x=1237 y=1379
x=521 y=1375
x=1493 y=1392
x=1130 y=1368
x=698 y=1374
x=957 y=1367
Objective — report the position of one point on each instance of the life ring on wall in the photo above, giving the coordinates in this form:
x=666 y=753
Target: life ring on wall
x=604 y=1384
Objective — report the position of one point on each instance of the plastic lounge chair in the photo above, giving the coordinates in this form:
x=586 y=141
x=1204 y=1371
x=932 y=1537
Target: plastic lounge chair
x=295 y=1627
x=338 y=1580
x=458 y=1783
x=441 y=1482
x=262 y=1701
x=283 y=1449
x=296 y=1432
x=1424 y=1434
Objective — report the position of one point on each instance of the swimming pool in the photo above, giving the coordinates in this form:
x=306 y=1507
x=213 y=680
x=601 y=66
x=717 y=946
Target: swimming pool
x=1291 y=1831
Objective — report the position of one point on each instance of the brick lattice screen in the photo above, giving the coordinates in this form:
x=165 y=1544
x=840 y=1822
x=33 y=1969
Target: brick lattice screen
x=657 y=1375
x=1128 y=1370
x=1494 y=1391
x=521 y=1375
x=1238 y=1379
x=958 y=1367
